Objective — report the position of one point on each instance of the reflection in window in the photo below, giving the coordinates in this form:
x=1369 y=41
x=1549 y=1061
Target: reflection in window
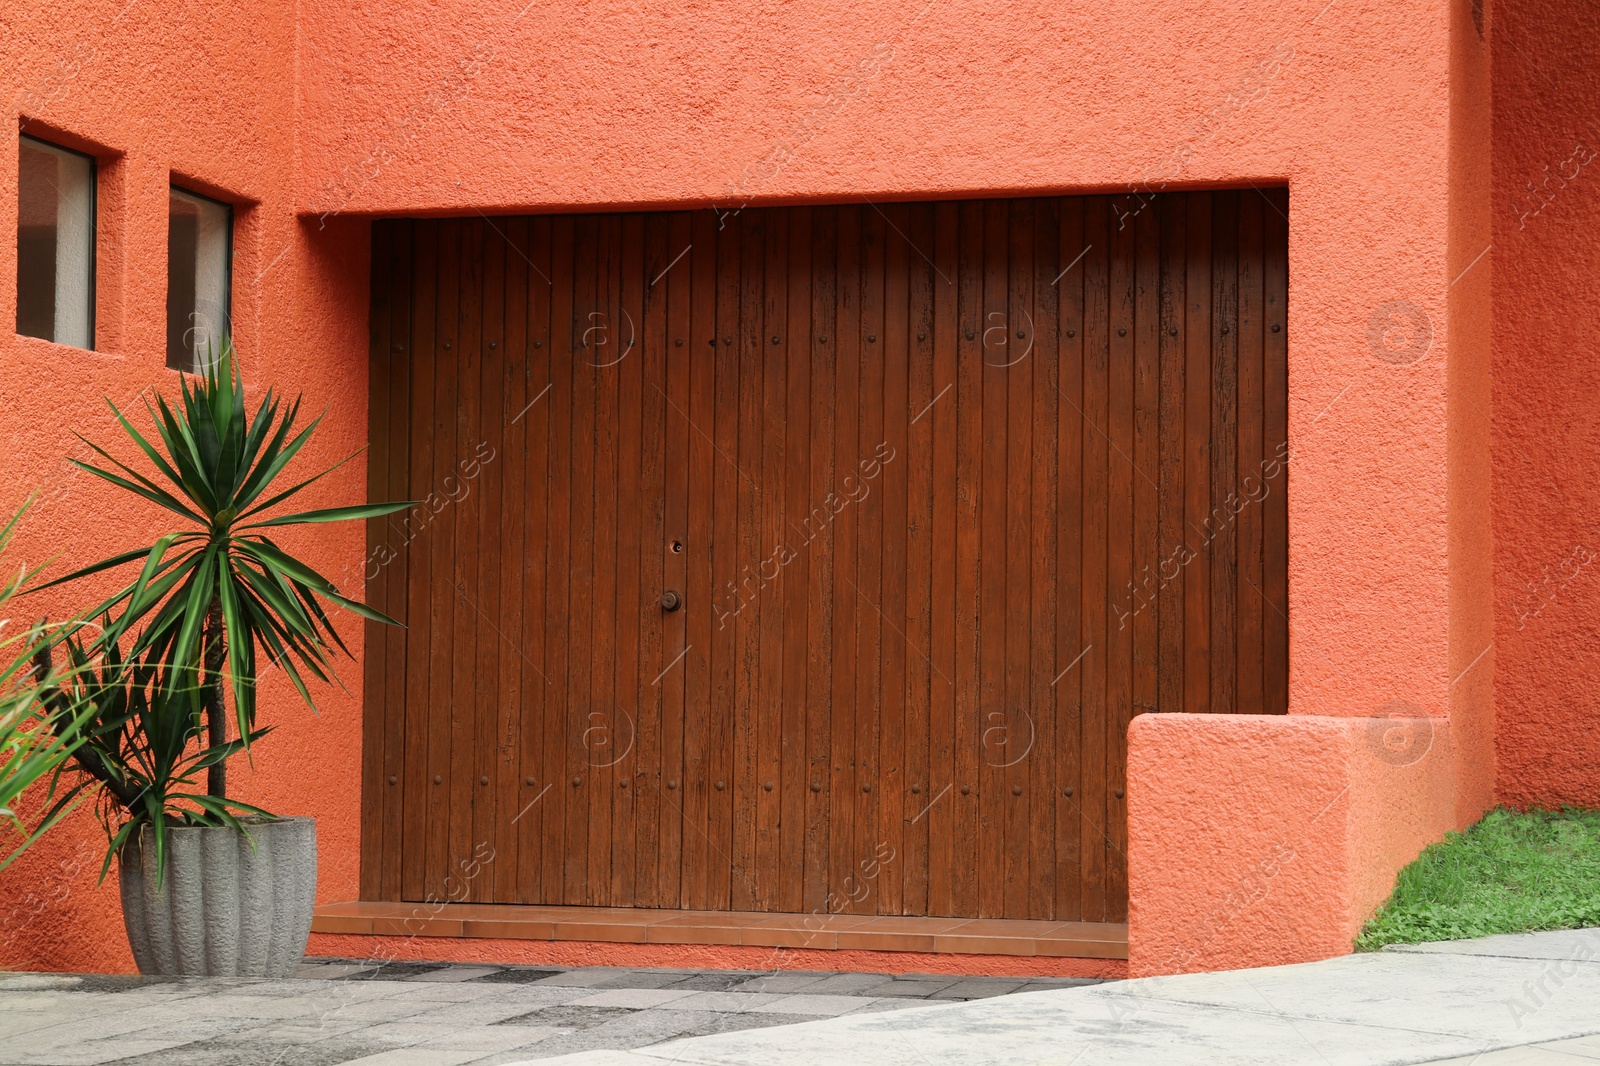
x=199 y=247
x=55 y=244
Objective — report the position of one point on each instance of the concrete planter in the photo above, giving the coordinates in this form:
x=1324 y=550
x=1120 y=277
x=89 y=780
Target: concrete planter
x=226 y=908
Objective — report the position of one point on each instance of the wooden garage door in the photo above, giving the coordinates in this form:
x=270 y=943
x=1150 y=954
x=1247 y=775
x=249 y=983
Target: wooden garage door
x=945 y=494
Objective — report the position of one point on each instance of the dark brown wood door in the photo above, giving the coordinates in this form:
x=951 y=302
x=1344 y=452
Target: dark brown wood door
x=814 y=558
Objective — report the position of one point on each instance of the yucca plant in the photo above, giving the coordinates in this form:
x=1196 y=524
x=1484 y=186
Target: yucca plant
x=137 y=744
x=216 y=598
x=37 y=736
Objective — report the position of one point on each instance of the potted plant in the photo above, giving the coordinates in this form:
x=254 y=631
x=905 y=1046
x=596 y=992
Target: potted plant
x=210 y=885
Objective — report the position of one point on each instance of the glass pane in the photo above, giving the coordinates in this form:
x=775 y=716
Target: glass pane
x=55 y=244
x=199 y=238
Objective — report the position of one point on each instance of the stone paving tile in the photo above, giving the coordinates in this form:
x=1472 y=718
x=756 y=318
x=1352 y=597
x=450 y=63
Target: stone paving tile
x=587 y=977
x=722 y=1002
x=307 y=1033
x=454 y=973
x=405 y=1034
x=1043 y=984
x=519 y=975
x=500 y=1009
x=814 y=1005
x=486 y=1039
x=386 y=1009
x=568 y=1016
x=331 y=1052
x=415 y=1057
x=633 y=998
x=847 y=984
x=394 y=971
x=711 y=982
x=919 y=987
x=978 y=988
x=91 y=1052
x=781 y=982
x=448 y=992
x=643 y=1028
x=232 y=1005
x=328 y=971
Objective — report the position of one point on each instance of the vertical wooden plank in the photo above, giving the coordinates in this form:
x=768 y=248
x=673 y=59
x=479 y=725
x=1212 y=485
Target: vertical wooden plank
x=870 y=628
x=971 y=373
x=916 y=453
x=584 y=609
x=1098 y=620
x=416 y=780
x=441 y=541
x=1017 y=724
x=1224 y=446
x=561 y=806
x=1145 y=453
x=1197 y=456
x=744 y=378
x=1175 y=540
x=483 y=484
x=889 y=482
x=844 y=793
x=817 y=527
x=509 y=449
x=992 y=573
x=796 y=360
x=771 y=266
x=698 y=849
x=465 y=517
x=598 y=332
x=649 y=770
x=1247 y=482
x=1123 y=475
x=728 y=484
x=399 y=368
x=944 y=795
x=1044 y=740
x=1072 y=639
x=681 y=527
x=540 y=800
x=624 y=780
x=1275 y=443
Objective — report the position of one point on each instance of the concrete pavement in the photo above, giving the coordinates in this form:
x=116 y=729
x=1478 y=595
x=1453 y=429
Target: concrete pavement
x=1500 y=1001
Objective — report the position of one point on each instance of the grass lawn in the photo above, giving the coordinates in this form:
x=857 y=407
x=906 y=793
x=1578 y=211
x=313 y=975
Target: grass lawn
x=1513 y=872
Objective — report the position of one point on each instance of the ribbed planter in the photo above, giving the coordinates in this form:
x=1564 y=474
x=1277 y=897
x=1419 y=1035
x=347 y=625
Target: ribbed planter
x=225 y=908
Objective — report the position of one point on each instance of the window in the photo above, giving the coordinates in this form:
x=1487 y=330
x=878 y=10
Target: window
x=55 y=244
x=199 y=251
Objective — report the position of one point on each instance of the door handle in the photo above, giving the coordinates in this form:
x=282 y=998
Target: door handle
x=670 y=600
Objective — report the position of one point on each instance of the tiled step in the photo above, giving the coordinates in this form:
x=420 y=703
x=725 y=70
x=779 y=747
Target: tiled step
x=967 y=936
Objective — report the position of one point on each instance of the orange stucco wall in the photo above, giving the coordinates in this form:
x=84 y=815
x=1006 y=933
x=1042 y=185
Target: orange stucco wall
x=1376 y=115
x=198 y=93
x=1546 y=377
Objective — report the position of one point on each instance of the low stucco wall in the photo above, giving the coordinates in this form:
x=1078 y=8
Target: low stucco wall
x=1259 y=840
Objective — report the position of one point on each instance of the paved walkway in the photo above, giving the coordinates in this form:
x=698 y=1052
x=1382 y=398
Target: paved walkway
x=421 y=1014
x=1503 y=1001
x=1537 y=996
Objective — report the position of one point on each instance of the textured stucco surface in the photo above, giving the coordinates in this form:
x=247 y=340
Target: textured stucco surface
x=1368 y=111
x=1547 y=424
x=201 y=94
x=1261 y=840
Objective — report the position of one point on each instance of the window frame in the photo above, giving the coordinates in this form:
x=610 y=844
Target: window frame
x=94 y=230
x=226 y=326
